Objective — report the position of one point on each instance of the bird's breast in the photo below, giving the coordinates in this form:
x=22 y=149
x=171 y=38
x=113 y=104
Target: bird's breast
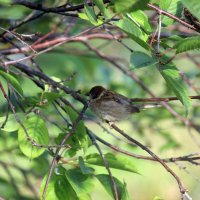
x=110 y=110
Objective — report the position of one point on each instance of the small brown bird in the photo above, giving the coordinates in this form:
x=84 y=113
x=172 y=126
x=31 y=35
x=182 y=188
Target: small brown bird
x=111 y=106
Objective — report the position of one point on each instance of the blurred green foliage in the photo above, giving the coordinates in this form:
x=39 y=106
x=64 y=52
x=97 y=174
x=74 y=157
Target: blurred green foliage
x=80 y=172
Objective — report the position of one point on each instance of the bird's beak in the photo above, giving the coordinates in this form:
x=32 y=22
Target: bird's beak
x=87 y=94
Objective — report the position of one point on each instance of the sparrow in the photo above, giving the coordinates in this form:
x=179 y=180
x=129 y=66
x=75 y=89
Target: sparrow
x=111 y=106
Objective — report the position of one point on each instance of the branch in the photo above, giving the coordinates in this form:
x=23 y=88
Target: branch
x=166 y=99
x=160 y=11
x=47 y=79
x=187 y=158
x=182 y=189
x=114 y=186
x=60 y=40
x=27 y=20
x=56 y=155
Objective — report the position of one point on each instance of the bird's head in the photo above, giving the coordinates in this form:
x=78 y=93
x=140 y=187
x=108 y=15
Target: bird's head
x=96 y=92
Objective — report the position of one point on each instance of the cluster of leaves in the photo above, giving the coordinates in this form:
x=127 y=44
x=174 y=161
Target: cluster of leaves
x=78 y=176
x=76 y=170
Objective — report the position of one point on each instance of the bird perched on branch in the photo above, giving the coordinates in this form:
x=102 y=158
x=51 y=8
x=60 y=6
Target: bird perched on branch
x=111 y=106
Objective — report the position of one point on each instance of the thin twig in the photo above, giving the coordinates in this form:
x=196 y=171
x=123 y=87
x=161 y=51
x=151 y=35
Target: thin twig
x=157 y=99
x=114 y=186
x=14 y=35
x=187 y=158
x=172 y=17
x=74 y=126
x=159 y=31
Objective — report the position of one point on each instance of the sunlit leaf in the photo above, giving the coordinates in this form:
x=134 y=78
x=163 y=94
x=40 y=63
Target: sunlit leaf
x=38 y=132
x=157 y=198
x=114 y=161
x=140 y=18
x=174 y=7
x=134 y=31
x=85 y=17
x=89 y=11
x=11 y=124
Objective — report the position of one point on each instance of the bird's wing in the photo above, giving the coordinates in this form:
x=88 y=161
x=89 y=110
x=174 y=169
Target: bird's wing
x=111 y=96
x=120 y=99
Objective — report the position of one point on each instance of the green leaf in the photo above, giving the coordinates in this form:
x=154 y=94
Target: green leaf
x=12 y=12
x=125 y=194
x=30 y=101
x=157 y=198
x=37 y=130
x=176 y=84
x=139 y=59
x=73 y=141
x=80 y=132
x=121 y=188
x=187 y=44
x=81 y=184
x=89 y=11
x=13 y=81
x=85 y=17
x=11 y=124
x=133 y=31
x=140 y=18
x=129 y=5
x=59 y=187
x=114 y=161
x=193 y=6
x=172 y=6
x=101 y=6
x=84 y=168
x=51 y=96
x=5 y=2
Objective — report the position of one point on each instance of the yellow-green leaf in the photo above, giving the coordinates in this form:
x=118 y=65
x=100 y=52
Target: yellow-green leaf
x=37 y=130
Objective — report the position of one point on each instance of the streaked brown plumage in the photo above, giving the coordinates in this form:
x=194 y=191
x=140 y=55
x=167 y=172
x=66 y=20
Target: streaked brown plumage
x=111 y=106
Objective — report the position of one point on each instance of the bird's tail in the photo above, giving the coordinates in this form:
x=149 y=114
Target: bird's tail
x=146 y=106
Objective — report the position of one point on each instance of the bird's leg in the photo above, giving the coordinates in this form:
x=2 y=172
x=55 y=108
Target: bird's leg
x=110 y=123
